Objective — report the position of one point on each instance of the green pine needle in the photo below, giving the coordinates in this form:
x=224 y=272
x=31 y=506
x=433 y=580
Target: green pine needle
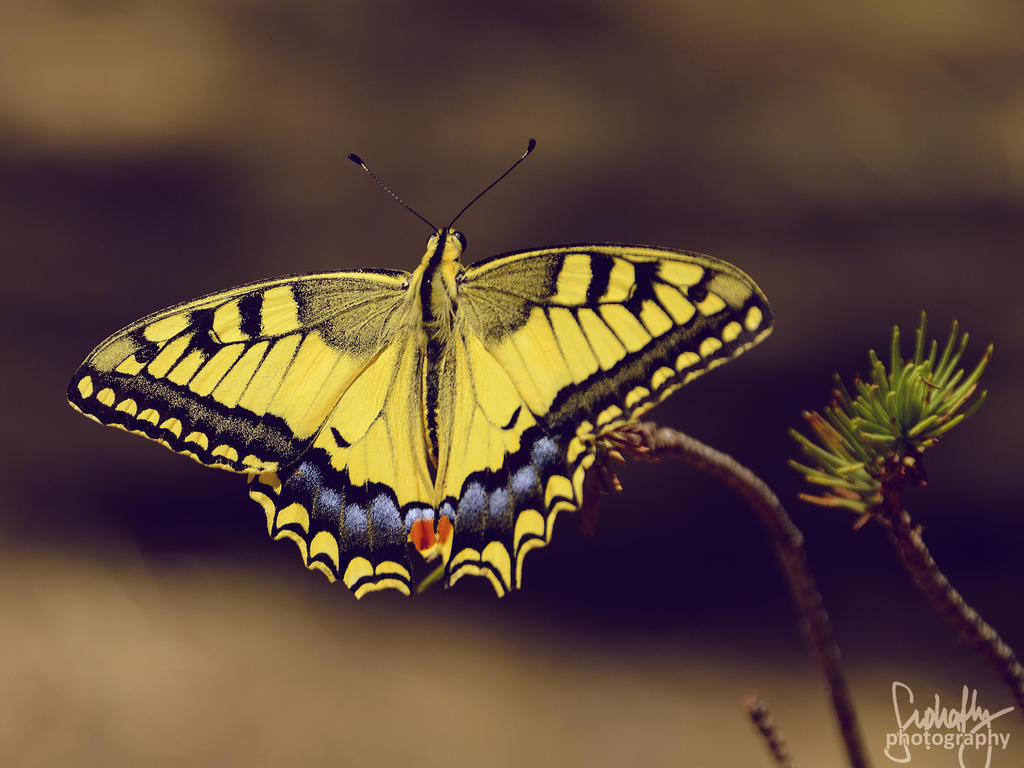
x=859 y=443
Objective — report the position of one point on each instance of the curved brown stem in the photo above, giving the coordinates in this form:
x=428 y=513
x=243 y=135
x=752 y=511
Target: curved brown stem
x=788 y=543
x=907 y=539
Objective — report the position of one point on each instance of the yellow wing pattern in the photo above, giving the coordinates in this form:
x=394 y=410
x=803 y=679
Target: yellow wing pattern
x=241 y=380
x=351 y=501
x=580 y=327
x=562 y=345
x=453 y=410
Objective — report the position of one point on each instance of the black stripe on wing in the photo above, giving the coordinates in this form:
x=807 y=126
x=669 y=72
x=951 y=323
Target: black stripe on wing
x=234 y=439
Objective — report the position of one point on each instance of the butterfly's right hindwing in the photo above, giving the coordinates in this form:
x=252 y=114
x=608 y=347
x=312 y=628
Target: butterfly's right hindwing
x=243 y=379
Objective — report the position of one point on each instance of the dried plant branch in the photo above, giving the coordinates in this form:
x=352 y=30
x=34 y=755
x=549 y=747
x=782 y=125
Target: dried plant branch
x=788 y=543
x=765 y=724
x=907 y=539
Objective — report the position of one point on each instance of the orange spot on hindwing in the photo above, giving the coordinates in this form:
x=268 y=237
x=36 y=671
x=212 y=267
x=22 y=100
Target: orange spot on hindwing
x=422 y=536
x=445 y=529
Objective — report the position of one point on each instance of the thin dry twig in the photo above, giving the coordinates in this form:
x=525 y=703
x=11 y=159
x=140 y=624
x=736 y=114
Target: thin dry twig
x=765 y=724
x=950 y=604
x=789 y=548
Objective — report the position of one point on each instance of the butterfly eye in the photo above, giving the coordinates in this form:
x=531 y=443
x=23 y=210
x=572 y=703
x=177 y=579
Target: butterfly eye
x=461 y=238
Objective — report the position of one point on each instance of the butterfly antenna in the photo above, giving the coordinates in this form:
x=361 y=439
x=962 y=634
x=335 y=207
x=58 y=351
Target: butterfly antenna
x=529 y=148
x=359 y=161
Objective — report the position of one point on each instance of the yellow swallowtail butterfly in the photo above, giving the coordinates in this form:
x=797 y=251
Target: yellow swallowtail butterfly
x=454 y=409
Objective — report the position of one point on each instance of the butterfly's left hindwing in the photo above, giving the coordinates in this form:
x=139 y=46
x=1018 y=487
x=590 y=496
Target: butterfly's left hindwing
x=351 y=503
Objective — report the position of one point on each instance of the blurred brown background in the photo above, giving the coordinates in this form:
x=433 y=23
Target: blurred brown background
x=863 y=161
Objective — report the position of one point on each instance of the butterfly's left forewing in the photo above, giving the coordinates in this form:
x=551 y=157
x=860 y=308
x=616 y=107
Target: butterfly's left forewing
x=242 y=379
x=581 y=329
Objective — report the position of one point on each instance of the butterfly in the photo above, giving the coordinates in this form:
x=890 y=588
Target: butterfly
x=453 y=411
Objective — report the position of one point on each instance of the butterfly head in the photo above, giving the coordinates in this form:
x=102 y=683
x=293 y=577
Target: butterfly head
x=444 y=248
x=435 y=281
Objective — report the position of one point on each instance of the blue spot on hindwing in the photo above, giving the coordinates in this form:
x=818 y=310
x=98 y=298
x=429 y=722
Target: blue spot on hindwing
x=498 y=506
x=447 y=510
x=544 y=452
x=384 y=514
x=472 y=503
x=327 y=505
x=355 y=520
x=524 y=481
x=417 y=513
x=307 y=478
